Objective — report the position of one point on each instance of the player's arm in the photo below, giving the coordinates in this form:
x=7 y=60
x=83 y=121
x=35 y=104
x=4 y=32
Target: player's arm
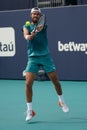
x=27 y=35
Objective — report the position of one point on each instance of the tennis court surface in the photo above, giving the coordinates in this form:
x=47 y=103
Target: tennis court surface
x=48 y=115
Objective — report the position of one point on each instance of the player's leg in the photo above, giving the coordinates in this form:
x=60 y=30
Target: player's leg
x=49 y=67
x=54 y=79
x=29 y=93
x=58 y=88
x=31 y=70
x=29 y=83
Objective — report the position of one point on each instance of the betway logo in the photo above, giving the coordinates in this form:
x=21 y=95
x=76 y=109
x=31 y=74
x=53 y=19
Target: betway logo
x=72 y=47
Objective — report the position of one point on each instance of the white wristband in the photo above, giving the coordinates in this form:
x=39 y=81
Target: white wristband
x=26 y=37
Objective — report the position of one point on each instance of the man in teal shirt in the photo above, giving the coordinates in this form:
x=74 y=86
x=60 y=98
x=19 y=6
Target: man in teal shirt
x=39 y=55
x=39 y=44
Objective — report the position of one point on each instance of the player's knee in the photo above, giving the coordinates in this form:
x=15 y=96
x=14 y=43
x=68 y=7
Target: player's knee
x=29 y=83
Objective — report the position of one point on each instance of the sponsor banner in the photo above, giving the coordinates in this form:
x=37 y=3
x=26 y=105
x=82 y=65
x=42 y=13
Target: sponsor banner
x=7 y=42
x=67 y=36
x=72 y=47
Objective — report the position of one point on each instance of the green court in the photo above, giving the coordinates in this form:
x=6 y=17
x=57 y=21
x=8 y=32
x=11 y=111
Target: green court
x=48 y=115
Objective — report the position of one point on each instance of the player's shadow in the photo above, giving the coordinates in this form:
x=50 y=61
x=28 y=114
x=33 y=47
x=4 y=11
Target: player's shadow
x=71 y=120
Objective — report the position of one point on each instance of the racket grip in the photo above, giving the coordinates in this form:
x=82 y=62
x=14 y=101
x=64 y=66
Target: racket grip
x=34 y=31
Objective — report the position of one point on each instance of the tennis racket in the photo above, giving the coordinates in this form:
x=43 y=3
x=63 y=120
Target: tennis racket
x=40 y=24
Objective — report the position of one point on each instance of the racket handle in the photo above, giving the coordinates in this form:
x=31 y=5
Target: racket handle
x=34 y=31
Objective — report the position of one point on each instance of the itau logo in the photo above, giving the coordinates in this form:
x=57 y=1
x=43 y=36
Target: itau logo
x=7 y=42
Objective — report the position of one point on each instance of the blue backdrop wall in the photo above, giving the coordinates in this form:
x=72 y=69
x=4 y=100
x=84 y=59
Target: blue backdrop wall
x=16 y=4
x=67 y=35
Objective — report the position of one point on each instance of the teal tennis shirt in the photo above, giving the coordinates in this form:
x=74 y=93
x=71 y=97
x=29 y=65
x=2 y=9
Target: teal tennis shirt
x=38 y=46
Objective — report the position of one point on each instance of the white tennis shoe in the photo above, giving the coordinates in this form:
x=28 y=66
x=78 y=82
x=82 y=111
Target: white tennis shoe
x=63 y=106
x=29 y=115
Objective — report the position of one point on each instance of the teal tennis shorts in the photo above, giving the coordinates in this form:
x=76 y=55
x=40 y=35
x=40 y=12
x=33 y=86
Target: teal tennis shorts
x=35 y=62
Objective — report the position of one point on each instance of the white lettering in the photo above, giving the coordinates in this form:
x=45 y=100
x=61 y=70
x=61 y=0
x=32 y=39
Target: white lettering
x=72 y=47
x=7 y=42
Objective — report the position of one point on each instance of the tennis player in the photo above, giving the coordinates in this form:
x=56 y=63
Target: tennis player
x=39 y=55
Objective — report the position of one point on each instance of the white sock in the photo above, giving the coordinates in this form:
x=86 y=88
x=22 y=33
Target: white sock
x=29 y=106
x=61 y=99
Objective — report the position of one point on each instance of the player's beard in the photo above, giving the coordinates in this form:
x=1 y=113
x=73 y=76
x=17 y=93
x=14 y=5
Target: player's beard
x=35 y=20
